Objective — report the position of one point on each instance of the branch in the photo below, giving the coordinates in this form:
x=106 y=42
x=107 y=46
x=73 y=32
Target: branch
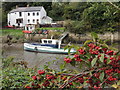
x=75 y=77
x=113 y=5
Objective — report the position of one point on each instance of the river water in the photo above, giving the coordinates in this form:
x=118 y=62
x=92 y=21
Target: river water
x=35 y=59
x=32 y=58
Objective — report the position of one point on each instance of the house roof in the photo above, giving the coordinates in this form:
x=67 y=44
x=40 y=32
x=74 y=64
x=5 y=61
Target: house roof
x=26 y=9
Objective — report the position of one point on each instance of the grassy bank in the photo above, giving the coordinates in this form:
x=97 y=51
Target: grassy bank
x=13 y=32
x=17 y=35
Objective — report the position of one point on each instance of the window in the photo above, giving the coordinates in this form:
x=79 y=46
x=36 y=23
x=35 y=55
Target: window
x=33 y=14
x=37 y=20
x=28 y=14
x=37 y=13
x=33 y=20
x=28 y=20
x=20 y=14
x=49 y=41
x=19 y=20
x=45 y=41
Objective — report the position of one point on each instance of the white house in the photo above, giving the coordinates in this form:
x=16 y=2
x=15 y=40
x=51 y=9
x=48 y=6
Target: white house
x=22 y=16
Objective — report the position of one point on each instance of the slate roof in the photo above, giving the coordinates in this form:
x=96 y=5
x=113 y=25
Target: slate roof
x=26 y=9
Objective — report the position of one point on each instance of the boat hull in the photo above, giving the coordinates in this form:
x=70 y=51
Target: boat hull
x=45 y=49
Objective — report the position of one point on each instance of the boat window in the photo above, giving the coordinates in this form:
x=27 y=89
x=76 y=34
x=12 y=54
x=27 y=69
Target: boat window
x=50 y=41
x=45 y=41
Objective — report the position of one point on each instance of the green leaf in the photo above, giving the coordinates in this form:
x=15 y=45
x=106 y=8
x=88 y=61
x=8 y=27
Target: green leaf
x=94 y=36
x=62 y=66
x=86 y=42
x=102 y=58
x=108 y=61
x=102 y=76
x=66 y=47
x=93 y=62
x=69 y=49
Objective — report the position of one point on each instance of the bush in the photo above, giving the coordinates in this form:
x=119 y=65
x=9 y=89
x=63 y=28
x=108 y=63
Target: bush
x=101 y=68
x=15 y=74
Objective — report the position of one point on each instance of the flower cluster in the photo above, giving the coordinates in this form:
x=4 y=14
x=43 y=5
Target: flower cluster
x=107 y=61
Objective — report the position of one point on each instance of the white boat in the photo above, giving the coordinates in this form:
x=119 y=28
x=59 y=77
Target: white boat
x=47 y=45
x=47 y=49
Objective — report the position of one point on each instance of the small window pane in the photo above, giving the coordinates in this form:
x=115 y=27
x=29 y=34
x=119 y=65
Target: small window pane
x=45 y=41
x=37 y=13
x=49 y=41
x=28 y=20
x=33 y=20
x=33 y=14
x=28 y=14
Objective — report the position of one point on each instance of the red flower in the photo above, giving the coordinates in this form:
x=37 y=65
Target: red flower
x=34 y=77
x=110 y=52
x=50 y=77
x=112 y=58
x=68 y=60
x=81 y=51
x=76 y=56
x=81 y=80
x=104 y=49
x=96 y=88
x=28 y=87
x=97 y=47
x=41 y=72
x=91 y=45
x=99 y=56
x=117 y=70
x=78 y=59
x=111 y=78
x=90 y=59
x=108 y=71
x=70 y=84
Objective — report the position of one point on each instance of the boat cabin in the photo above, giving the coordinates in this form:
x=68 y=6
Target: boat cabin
x=49 y=41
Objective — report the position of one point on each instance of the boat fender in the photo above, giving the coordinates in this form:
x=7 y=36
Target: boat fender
x=36 y=48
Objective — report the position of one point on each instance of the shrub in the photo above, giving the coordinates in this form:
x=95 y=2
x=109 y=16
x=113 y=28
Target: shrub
x=101 y=68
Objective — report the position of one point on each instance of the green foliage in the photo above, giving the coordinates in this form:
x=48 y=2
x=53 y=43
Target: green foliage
x=14 y=74
x=97 y=17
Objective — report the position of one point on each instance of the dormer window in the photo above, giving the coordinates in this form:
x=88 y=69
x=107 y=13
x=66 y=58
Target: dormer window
x=20 y=14
x=28 y=14
x=33 y=14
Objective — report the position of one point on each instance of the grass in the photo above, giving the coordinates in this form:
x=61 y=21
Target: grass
x=12 y=32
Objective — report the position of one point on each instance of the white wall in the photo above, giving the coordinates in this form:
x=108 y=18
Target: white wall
x=31 y=17
x=13 y=16
x=42 y=14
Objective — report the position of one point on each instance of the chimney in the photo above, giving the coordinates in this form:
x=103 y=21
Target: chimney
x=16 y=6
x=27 y=5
